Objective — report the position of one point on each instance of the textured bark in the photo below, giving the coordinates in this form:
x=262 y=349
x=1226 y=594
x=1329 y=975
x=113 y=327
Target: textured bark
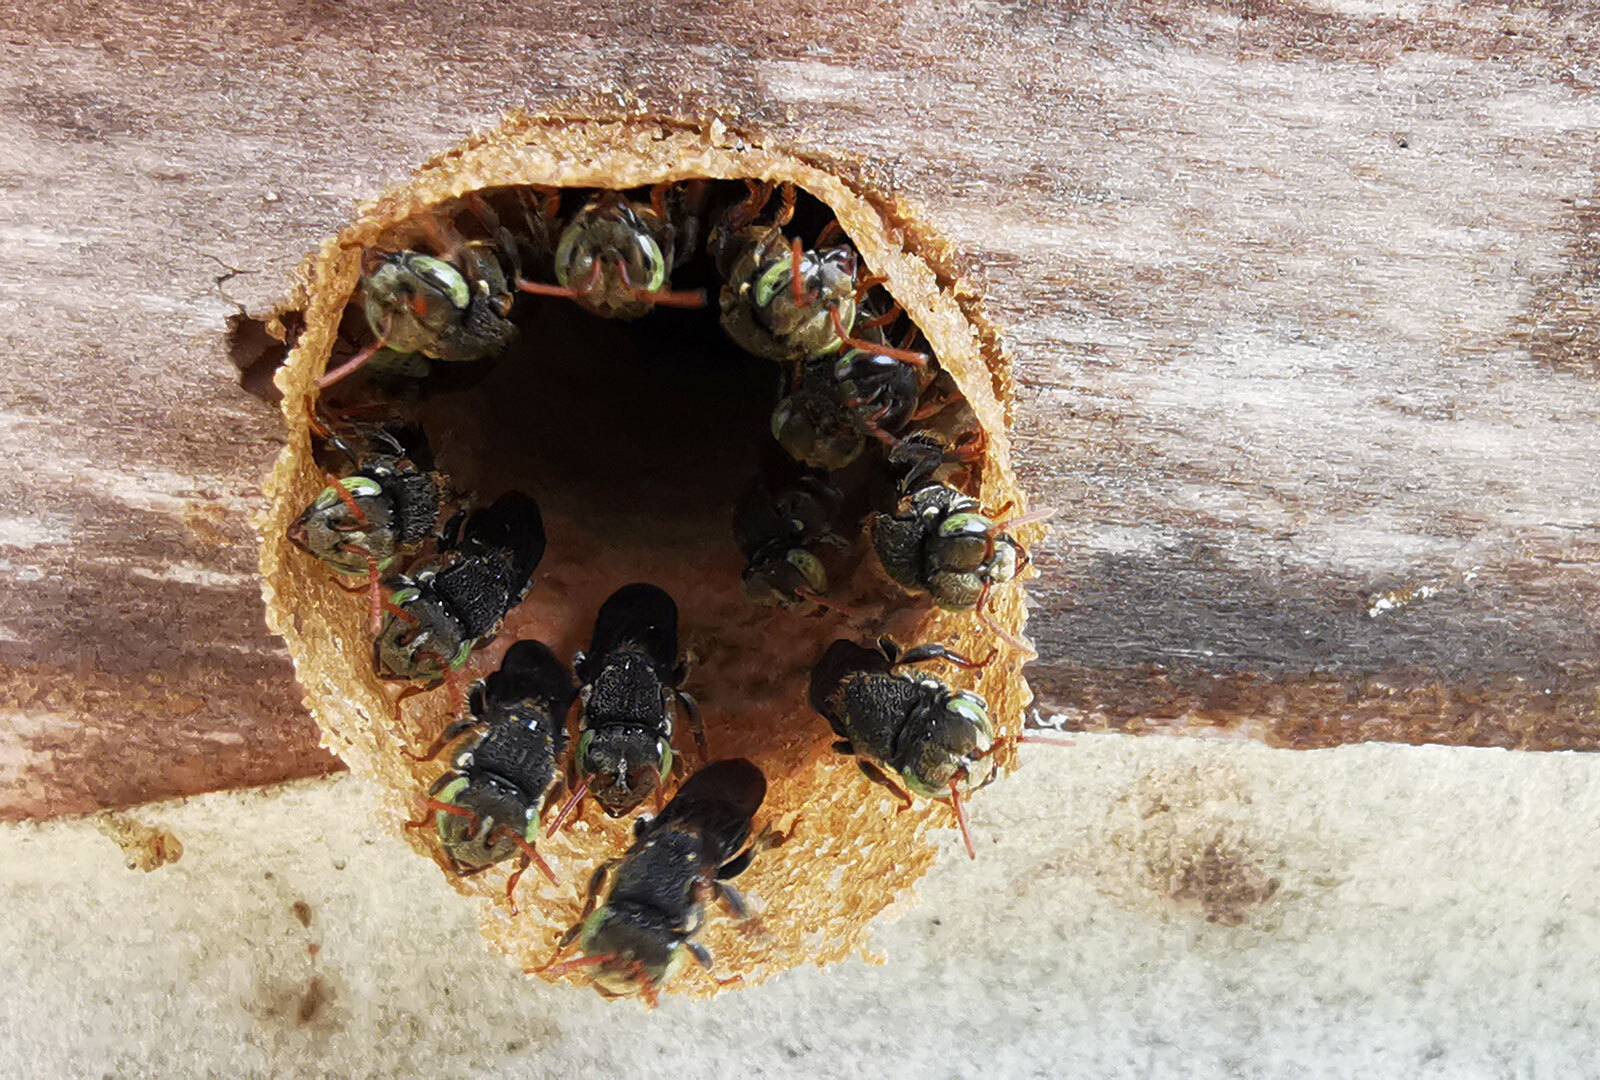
x=1302 y=301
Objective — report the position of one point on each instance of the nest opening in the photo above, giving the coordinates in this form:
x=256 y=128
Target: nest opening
x=636 y=438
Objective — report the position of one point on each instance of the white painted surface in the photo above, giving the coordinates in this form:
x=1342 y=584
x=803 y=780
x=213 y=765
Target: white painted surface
x=1437 y=915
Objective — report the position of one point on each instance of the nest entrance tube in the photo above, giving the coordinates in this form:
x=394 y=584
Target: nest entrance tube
x=636 y=438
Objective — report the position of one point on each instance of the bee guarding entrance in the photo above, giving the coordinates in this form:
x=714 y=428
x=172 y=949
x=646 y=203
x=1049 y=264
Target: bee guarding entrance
x=720 y=432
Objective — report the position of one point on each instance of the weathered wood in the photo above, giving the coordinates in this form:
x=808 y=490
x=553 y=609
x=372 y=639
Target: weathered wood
x=1302 y=301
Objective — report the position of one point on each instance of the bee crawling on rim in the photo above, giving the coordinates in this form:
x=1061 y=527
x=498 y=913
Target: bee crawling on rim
x=643 y=933
x=783 y=301
x=942 y=542
x=631 y=678
x=940 y=742
x=388 y=505
x=615 y=256
x=439 y=612
x=455 y=307
x=840 y=402
x=489 y=805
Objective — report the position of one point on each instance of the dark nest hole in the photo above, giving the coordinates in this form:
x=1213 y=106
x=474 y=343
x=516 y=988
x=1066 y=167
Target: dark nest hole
x=636 y=437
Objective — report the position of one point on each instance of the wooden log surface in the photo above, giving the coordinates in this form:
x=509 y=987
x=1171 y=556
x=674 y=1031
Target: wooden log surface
x=1302 y=299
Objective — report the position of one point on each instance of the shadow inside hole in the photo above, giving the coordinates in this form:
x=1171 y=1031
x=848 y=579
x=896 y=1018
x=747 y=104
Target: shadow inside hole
x=257 y=355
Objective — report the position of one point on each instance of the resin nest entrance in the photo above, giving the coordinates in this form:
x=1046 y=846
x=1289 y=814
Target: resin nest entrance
x=637 y=437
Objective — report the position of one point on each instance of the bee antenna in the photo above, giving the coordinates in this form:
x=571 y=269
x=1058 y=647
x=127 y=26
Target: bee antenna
x=688 y=298
x=995 y=628
x=819 y=600
x=434 y=808
x=570 y=805
x=359 y=360
x=565 y=966
x=905 y=356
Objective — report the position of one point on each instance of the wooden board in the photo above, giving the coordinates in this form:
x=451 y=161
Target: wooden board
x=1302 y=298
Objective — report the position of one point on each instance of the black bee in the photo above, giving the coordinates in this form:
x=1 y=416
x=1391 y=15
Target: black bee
x=630 y=679
x=362 y=522
x=841 y=402
x=788 y=532
x=781 y=300
x=456 y=308
x=615 y=256
x=641 y=936
x=488 y=805
x=438 y=614
x=939 y=741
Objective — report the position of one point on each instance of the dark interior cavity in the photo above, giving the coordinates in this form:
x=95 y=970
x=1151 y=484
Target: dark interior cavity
x=636 y=438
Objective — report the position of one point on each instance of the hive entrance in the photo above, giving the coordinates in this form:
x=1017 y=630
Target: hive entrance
x=636 y=438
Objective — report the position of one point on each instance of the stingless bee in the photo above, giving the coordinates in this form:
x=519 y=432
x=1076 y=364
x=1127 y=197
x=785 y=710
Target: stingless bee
x=630 y=680
x=615 y=256
x=439 y=612
x=489 y=804
x=781 y=300
x=939 y=742
x=842 y=401
x=388 y=505
x=455 y=308
x=788 y=531
x=643 y=933
x=940 y=541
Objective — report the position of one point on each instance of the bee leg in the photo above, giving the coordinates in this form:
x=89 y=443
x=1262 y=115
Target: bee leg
x=844 y=746
x=890 y=650
x=829 y=231
x=867 y=284
x=374 y=598
x=446 y=737
x=747 y=211
x=731 y=899
x=786 y=210
x=696 y=723
x=399 y=699
x=939 y=652
x=701 y=954
x=961 y=817
x=597 y=881
x=871 y=771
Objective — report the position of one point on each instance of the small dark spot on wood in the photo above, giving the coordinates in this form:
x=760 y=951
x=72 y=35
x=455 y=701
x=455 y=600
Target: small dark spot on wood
x=1225 y=882
x=302 y=911
x=313 y=949
x=313 y=1002
x=85 y=116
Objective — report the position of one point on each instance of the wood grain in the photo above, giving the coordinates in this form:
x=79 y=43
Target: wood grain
x=1302 y=300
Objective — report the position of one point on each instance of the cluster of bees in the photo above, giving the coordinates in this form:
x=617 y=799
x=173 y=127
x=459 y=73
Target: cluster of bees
x=865 y=432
